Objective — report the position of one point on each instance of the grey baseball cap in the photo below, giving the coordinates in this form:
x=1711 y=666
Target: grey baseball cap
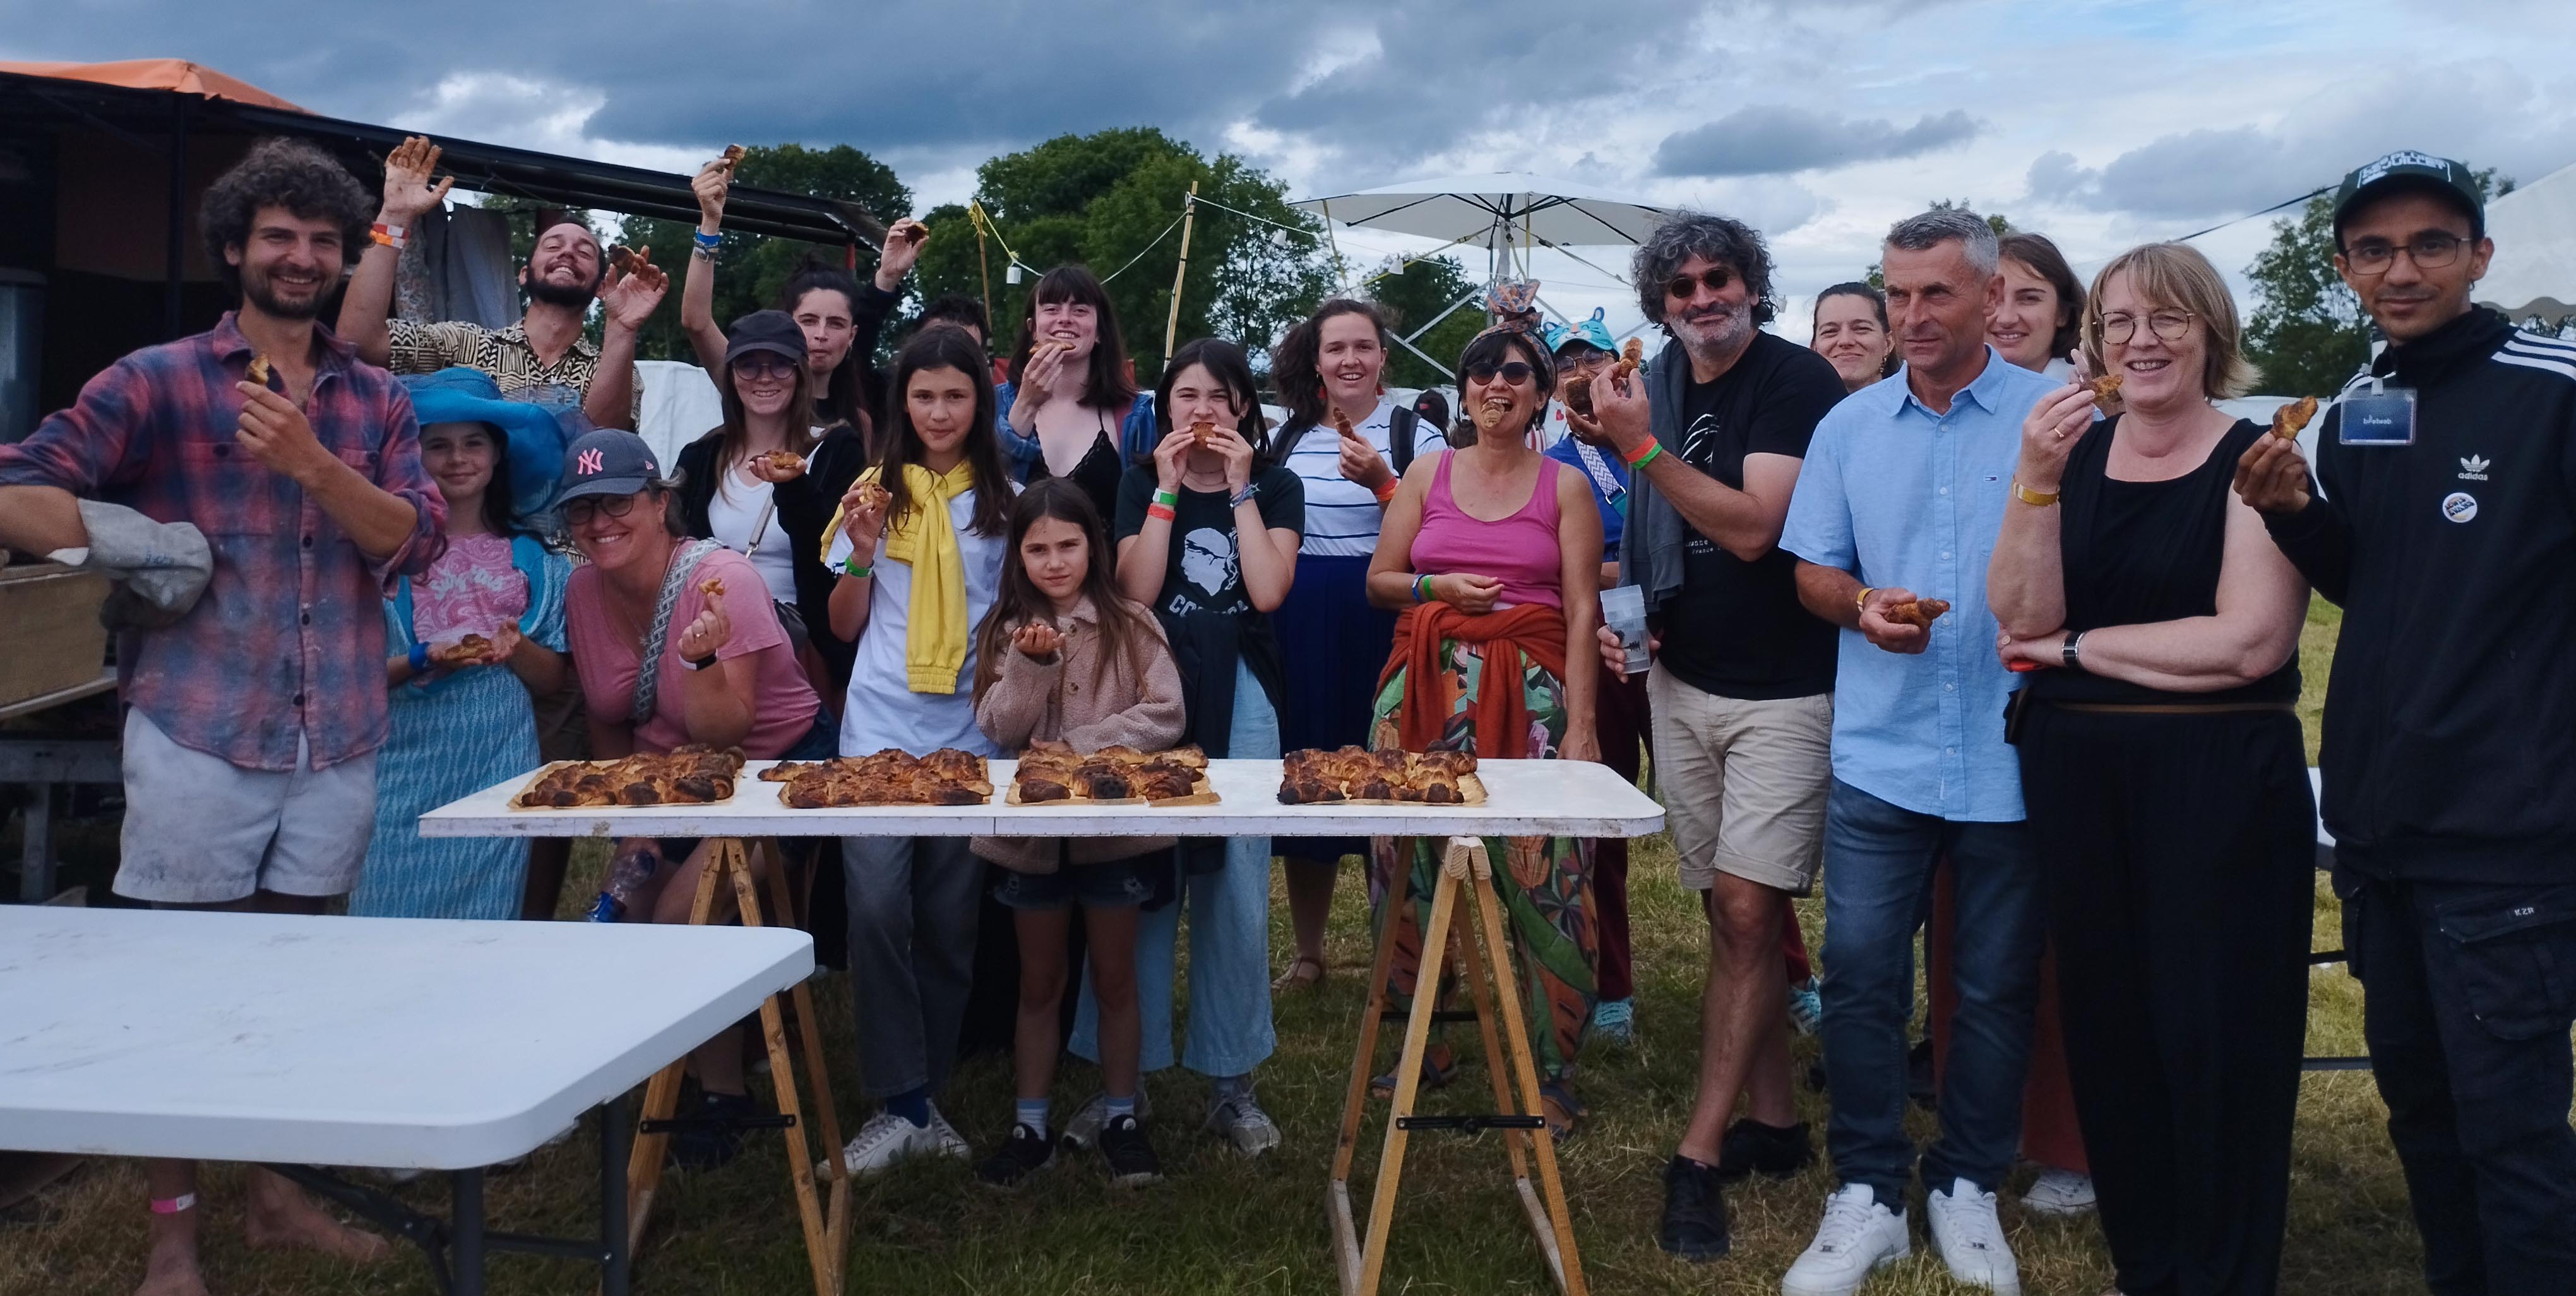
x=2408 y=169
x=609 y=461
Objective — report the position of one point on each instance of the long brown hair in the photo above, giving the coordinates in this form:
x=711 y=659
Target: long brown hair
x=945 y=348
x=1297 y=366
x=1125 y=630
x=1107 y=386
x=736 y=429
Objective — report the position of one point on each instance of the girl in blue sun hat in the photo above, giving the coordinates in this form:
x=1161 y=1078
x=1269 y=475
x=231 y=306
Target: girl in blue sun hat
x=471 y=641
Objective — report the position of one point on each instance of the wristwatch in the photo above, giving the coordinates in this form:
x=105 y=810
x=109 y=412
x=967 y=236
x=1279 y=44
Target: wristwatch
x=698 y=664
x=2072 y=655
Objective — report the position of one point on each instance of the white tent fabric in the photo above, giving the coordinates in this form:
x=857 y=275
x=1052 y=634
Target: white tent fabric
x=1480 y=208
x=680 y=404
x=2534 y=228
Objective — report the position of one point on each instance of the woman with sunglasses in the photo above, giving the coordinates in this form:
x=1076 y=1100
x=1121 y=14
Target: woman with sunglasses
x=764 y=483
x=677 y=644
x=1491 y=556
x=2165 y=778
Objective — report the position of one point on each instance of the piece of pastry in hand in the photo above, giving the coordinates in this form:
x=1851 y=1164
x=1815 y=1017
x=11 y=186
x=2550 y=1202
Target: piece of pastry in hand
x=1632 y=357
x=1576 y=392
x=711 y=587
x=1920 y=613
x=621 y=258
x=2106 y=393
x=259 y=369
x=733 y=155
x=784 y=462
x=2290 y=419
x=916 y=232
x=1201 y=434
x=463 y=652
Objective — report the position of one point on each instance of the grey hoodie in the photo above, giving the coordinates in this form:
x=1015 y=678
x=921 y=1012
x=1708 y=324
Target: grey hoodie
x=1650 y=549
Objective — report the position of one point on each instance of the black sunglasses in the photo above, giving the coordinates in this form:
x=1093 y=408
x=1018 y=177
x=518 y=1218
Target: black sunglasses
x=1514 y=372
x=1715 y=279
x=580 y=511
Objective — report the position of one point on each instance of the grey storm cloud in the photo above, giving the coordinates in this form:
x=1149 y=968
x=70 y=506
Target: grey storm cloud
x=2188 y=175
x=1774 y=140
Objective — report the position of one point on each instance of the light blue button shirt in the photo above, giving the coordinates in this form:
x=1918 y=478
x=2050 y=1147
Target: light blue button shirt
x=1899 y=495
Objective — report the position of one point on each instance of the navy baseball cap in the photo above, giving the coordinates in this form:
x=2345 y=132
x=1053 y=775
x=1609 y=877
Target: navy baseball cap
x=773 y=331
x=610 y=461
x=2408 y=169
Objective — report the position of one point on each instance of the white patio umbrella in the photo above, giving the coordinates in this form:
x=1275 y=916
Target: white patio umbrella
x=2534 y=228
x=1498 y=211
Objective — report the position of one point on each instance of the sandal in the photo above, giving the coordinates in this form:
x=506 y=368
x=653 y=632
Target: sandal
x=1563 y=1111
x=1439 y=1068
x=1297 y=978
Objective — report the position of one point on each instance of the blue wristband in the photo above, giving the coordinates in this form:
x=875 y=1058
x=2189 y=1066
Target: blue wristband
x=705 y=240
x=419 y=658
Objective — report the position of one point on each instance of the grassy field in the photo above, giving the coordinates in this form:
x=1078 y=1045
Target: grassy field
x=1220 y=1224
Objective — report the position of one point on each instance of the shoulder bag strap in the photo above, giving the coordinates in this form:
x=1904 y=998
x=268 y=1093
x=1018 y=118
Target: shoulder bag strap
x=648 y=667
x=1400 y=430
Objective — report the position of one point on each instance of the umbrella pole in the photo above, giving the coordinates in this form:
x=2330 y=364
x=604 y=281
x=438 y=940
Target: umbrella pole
x=1172 y=322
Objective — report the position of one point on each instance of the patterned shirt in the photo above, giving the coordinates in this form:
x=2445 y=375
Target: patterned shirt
x=506 y=354
x=288 y=640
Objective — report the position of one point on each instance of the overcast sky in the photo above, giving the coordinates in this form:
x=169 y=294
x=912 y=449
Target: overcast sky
x=2101 y=122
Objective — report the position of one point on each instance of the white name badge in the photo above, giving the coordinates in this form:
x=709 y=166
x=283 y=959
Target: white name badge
x=2382 y=416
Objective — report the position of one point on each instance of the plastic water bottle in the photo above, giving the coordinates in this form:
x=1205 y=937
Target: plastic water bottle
x=627 y=876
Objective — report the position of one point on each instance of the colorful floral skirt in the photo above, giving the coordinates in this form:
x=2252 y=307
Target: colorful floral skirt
x=1545 y=883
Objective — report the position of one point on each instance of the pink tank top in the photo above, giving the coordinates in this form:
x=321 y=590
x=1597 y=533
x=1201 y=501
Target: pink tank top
x=1520 y=551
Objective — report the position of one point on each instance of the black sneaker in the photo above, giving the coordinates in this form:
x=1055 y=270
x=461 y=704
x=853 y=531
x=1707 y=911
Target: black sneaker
x=1694 y=1225
x=1751 y=1147
x=1131 y=1159
x=1023 y=1154
x=711 y=1146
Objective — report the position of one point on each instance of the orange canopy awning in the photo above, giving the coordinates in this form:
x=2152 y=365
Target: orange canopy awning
x=157 y=74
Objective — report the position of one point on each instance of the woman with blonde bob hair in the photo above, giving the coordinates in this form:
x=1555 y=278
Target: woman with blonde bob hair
x=2165 y=779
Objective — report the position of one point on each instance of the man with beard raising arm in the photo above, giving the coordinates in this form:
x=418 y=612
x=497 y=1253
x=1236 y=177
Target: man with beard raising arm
x=253 y=722
x=567 y=271
x=1742 y=687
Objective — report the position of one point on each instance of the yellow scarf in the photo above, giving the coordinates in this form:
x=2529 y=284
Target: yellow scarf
x=936 y=635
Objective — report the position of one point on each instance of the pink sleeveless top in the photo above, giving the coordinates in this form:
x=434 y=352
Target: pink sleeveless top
x=1520 y=550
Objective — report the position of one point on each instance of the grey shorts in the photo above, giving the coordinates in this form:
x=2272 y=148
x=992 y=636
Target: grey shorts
x=202 y=830
x=1112 y=884
x=1743 y=783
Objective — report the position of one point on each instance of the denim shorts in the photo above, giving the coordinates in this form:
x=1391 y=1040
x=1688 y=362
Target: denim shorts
x=1112 y=884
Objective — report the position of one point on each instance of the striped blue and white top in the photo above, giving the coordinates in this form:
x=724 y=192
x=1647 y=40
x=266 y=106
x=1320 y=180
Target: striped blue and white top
x=1341 y=515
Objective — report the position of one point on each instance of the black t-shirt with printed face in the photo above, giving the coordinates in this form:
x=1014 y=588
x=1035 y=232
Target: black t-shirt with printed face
x=1203 y=573
x=1736 y=628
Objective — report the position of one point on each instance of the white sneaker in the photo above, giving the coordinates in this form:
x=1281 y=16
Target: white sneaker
x=1240 y=1121
x=950 y=1142
x=1971 y=1239
x=1084 y=1129
x=884 y=1140
x=1859 y=1235
x=2061 y=1193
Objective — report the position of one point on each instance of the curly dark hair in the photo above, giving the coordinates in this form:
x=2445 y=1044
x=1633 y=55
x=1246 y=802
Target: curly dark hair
x=282 y=173
x=1722 y=239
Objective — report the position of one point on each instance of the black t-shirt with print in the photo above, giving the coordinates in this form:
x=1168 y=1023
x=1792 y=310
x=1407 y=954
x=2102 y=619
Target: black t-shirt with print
x=1202 y=574
x=1736 y=628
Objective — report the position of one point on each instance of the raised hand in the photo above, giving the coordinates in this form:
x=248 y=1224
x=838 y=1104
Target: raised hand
x=863 y=508
x=1037 y=641
x=409 y=191
x=1620 y=417
x=2050 y=434
x=903 y=243
x=1168 y=454
x=707 y=632
x=2272 y=476
x=712 y=184
x=505 y=643
x=1230 y=446
x=630 y=296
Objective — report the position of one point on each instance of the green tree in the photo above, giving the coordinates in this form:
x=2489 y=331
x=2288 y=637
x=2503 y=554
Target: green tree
x=1412 y=294
x=2308 y=335
x=1112 y=201
x=752 y=268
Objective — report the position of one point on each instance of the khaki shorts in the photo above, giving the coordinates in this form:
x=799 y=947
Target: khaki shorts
x=202 y=830
x=1743 y=783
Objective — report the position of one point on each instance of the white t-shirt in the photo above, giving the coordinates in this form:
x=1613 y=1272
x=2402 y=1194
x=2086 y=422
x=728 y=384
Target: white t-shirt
x=1342 y=517
x=882 y=710
x=731 y=511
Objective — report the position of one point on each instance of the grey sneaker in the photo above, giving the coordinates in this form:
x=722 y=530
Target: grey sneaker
x=1240 y=1121
x=947 y=1141
x=1084 y=1129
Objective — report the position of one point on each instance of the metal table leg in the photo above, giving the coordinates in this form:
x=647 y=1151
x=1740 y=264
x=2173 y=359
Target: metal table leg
x=465 y=1231
x=616 y=1266
x=36 y=851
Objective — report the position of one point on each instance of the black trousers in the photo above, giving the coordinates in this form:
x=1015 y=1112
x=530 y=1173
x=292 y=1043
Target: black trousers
x=2181 y=857
x=2471 y=991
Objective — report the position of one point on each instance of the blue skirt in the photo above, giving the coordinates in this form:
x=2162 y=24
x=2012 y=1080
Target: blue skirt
x=1332 y=648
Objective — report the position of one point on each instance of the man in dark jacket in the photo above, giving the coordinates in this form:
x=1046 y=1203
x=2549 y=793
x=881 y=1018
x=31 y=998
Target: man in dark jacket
x=2441 y=520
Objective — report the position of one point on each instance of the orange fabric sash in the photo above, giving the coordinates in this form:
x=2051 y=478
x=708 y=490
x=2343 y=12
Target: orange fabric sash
x=1501 y=710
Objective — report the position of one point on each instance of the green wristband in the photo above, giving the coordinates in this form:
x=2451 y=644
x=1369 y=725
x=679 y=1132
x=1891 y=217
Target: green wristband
x=851 y=566
x=1168 y=499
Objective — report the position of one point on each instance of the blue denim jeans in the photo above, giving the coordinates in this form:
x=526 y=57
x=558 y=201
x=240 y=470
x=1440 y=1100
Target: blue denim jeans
x=1879 y=860
x=1229 y=1022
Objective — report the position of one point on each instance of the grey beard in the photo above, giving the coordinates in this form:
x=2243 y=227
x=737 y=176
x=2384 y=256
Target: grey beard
x=1727 y=334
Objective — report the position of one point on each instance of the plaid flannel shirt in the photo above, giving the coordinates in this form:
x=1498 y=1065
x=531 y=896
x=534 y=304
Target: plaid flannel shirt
x=289 y=638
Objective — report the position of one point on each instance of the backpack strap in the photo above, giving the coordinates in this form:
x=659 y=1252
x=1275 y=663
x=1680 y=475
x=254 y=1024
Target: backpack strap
x=1401 y=428
x=648 y=667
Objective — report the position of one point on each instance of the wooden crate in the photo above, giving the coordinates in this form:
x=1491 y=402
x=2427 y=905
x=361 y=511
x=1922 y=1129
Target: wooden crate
x=50 y=636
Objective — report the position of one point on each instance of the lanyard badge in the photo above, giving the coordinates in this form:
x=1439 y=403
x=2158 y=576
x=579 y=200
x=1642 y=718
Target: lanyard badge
x=2382 y=416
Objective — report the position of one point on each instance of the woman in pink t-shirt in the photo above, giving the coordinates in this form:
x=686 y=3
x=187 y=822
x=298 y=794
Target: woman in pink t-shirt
x=722 y=675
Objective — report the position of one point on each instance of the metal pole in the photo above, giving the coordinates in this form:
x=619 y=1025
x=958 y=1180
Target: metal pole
x=465 y=1231
x=1172 y=322
x=177 y=251
x=616 y=1265
x=977 y=212
x=1341 y=275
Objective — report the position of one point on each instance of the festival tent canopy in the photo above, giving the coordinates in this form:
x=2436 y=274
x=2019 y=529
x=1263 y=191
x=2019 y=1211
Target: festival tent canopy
x=2534 y=228
x=156 y=74
x=1494 y=210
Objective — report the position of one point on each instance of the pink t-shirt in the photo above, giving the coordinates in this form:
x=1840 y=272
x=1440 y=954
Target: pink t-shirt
x=605 y=658
x=1521 y=551
x=471 y=589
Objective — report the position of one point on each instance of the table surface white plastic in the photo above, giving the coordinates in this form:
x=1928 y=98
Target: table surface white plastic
x=1522 y=798
x=431 y=1044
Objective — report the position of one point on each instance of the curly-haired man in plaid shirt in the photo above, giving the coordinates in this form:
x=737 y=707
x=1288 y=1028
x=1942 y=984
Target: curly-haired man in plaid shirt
x=253 y=722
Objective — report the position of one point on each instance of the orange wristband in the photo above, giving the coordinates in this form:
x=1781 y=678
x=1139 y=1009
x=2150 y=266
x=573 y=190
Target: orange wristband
x=1163 y=511
x=1387 y=492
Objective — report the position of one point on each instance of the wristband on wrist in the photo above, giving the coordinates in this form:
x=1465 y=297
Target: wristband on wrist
x=396 y=237
x=2073 y=653
x=174 y=1205
x=705 y=240
x=851 y=566
x=1644 y=457
x=419 y=658
x=1242 y=497
x=2036 y=499
x=1422 y=589
x=1167 y=499
x=1387 y=492
x=697 y=663
x=1861 y=600
x=1163 y=511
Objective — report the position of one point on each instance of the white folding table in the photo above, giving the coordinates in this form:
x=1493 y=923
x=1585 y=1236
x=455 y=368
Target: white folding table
x=1524 y=798
x=385 y=1042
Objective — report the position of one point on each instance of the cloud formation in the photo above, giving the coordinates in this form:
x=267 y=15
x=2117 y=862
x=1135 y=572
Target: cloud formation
x=1775 y=140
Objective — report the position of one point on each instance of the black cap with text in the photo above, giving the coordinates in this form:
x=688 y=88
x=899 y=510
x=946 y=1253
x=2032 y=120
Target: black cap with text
x=2408 y=169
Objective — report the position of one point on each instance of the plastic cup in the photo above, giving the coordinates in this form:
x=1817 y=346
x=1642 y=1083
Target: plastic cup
x=1623 y=609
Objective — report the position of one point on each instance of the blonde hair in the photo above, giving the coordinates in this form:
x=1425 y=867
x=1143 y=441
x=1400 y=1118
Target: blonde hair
x=2177 y=275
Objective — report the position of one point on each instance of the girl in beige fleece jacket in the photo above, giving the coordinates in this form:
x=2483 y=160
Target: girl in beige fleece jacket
x=1062 y=658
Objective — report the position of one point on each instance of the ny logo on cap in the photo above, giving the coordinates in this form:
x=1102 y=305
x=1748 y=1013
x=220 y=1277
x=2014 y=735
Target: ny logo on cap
x=586 y=463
